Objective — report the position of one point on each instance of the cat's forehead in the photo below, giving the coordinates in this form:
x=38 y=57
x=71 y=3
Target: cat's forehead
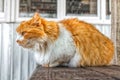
x=22 y=26
x=34 y=22
x=26 y=25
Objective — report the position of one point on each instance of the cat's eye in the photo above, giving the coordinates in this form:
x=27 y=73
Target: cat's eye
x=35 y=24
x=23 y=33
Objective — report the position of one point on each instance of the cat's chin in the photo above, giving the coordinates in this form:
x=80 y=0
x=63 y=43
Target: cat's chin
x=27 y=46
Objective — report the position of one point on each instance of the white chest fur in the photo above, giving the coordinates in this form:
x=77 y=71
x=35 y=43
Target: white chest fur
x=63 y=49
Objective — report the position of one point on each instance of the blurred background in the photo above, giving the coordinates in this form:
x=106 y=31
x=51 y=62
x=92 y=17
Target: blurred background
x=17 y=63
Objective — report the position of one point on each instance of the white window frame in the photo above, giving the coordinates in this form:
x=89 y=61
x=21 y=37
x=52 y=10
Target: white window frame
x=88 y=17
x=108 y=20
x=5 y=15
x=19 y=19
x=2 y=13
x=61 y=13
x=104 y=19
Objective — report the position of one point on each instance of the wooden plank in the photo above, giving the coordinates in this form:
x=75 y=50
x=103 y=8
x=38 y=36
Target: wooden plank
x=116 y=28
x=108 y=71
x=118 y=31
x=86 y=73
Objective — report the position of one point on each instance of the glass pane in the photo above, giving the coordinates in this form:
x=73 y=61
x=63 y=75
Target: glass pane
x=108 y=11
x=1 y=5
x=46 y=8
x=81 y=7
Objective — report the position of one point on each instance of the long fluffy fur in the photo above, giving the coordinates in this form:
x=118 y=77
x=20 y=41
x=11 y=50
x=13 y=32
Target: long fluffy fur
x=70 y=41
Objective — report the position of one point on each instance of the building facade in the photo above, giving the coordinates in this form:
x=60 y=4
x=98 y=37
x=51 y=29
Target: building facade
x=17 y=63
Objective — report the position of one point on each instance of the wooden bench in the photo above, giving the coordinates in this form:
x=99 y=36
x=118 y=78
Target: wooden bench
x=84 y=73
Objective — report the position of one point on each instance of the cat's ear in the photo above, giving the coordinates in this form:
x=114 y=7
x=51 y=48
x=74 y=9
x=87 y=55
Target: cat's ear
x=36 y=16
x=36 y=19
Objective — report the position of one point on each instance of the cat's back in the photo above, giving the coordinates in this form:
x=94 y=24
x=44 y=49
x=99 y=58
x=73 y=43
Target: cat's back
x=94 y=47
x=80 y=29
x=73 y=24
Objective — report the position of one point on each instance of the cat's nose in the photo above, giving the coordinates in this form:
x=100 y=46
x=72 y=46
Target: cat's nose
x=17 y=41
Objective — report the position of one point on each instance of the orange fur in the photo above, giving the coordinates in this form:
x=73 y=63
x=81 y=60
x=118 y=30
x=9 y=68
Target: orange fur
x=95 y=48
x=37 y=27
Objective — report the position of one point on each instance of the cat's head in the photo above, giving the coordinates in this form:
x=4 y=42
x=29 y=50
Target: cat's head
x=30 y=32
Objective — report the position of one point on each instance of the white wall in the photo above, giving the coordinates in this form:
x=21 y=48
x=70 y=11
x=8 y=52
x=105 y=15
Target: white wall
x=1 y=5
x=16 y=63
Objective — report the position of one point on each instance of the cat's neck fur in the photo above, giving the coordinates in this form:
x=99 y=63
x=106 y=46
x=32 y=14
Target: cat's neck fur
x=49 y=51
x=52 y=32
x=51 y=29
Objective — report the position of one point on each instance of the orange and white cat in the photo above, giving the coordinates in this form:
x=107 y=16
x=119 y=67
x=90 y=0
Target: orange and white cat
x=69 y=42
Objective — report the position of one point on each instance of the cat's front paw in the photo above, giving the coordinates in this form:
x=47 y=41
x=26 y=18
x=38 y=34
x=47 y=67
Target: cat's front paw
x=45 y=65
x=51 y=65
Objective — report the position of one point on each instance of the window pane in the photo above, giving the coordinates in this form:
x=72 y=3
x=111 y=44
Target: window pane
x=1 y=5
x=81 y=7
x=108 y=11
x=47 y=8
